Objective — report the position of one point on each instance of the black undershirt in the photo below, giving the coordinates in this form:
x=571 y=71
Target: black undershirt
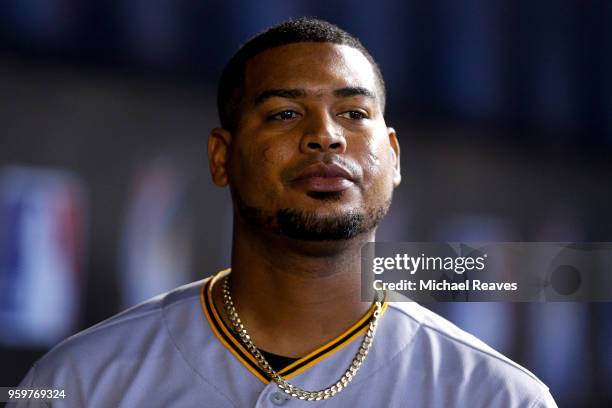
x=277 y=362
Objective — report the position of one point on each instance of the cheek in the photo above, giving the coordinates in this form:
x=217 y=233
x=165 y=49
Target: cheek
x=258 y=173
x=376 y=146
x=253 y=161
x=378 y=170
x=273 y=155
x=247 y=172
x=375 y=161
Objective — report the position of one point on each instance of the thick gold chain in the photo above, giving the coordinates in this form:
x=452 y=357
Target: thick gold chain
x=283 y=384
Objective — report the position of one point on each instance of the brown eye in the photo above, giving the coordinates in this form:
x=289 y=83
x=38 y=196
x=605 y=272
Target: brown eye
x=284 y=115
x=354 y=115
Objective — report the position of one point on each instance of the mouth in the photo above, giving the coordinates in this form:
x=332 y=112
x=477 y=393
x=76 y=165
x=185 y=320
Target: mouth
x=329 y=197
x=324 y=178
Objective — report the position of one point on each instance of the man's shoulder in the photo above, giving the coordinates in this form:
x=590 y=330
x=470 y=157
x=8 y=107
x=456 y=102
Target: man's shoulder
x=123 y=337
x=451 y=355
x=128 y=358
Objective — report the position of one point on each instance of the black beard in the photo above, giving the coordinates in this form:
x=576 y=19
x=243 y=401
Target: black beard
x=308 y=226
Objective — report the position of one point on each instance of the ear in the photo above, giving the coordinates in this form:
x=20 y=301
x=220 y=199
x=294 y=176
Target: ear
x=219 y=141
x=395 y=150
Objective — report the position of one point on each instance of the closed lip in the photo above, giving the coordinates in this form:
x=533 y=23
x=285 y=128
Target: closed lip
x=325 y=171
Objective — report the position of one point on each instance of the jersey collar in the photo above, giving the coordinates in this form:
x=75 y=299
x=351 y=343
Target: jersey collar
x=224 y=335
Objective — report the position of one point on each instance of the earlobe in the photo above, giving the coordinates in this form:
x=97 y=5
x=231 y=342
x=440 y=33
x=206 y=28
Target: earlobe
x=219 y=141
x=395 y=151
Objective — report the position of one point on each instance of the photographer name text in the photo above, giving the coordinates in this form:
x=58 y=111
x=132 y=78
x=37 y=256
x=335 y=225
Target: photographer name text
x=444 y=285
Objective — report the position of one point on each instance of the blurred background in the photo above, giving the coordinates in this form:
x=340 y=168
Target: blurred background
x=503 y=109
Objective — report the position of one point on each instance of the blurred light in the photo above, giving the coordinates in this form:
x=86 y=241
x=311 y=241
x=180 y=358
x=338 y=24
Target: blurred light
x=559 y=348
x=42 y=230
x=157 y=241
x=491 y=322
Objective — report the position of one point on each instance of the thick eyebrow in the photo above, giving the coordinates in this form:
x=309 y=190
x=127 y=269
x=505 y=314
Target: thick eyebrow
x=296 y=93
x=281 y=93
x=354 y=91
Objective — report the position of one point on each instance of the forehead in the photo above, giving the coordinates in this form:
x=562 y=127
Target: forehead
x=316 y=67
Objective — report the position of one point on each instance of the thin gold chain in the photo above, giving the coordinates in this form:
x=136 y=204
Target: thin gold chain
x=283 y=384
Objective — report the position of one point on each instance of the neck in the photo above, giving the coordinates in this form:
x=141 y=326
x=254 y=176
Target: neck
x=294 y=296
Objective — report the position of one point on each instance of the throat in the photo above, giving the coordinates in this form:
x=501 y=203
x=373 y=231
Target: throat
x=289 y=340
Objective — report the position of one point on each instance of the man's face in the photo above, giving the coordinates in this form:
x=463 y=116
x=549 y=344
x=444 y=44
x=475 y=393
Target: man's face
x=312 y=157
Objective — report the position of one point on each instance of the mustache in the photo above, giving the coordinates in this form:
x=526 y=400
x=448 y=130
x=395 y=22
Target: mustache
x=293 y=172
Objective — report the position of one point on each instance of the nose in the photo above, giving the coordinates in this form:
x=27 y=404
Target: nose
x=322 y=135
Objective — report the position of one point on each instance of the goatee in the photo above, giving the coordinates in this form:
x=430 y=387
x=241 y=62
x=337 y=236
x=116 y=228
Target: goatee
x=308 y=225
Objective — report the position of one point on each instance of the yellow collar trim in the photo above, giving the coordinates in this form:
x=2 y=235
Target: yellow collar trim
x=226 y=338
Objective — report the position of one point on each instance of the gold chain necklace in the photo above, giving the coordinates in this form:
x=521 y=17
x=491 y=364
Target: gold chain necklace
x=283 y=384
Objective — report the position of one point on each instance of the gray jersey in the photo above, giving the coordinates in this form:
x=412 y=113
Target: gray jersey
x=174 y=351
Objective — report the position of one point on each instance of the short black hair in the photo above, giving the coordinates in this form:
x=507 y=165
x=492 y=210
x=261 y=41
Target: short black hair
x=304 y=29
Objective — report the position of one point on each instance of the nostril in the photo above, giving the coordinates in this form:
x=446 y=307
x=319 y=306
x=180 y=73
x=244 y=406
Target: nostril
x=313 y=145
x=335 y=146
